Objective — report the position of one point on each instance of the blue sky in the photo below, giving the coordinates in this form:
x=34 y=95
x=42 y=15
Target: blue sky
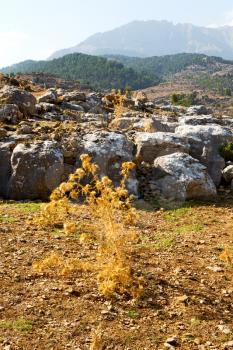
x=31 y=29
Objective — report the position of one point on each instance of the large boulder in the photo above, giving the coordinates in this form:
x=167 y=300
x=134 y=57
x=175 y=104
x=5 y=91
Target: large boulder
x=37 y=169
x=157 y=144
x=197 y=120
x=10 y=113
x=124 y=123
x=228 y=173
x=25 y=101
x=109 y=150
x=50 y=96
x=5 y=167
x=198 y=110
x=182 y=177
x=74 y=96
x=205 y=141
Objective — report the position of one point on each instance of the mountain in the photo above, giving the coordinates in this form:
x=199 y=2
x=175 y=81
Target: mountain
x=157 y=38
x=98 y=72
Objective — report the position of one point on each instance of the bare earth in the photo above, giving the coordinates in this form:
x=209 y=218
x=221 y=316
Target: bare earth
x=188 y=291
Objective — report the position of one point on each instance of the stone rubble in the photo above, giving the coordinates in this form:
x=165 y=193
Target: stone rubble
x=44 y=132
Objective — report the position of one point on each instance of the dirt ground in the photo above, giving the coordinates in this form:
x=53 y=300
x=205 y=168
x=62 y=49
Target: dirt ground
x=188 y=289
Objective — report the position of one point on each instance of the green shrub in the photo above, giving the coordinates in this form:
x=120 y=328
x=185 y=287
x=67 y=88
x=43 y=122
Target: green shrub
x=226 y=151
x=184 y=100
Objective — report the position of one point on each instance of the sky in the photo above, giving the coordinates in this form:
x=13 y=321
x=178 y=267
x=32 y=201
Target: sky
x=32 y=29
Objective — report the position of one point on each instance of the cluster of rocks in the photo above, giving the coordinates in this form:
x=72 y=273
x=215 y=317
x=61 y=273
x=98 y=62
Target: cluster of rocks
x=43 y=134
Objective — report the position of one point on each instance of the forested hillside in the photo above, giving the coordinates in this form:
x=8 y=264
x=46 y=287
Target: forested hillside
x=98 y=72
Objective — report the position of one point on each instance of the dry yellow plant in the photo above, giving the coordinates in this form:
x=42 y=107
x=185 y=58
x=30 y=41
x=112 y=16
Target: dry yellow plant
x=97 y=342
x=149 y=126
x=110 y=208
x=227 y=256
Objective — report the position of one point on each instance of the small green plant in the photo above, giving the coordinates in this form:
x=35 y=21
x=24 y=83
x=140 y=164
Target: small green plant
x=20 y=325
x=6 y=218
x=173 y=215
x=188 y=228
x=133 y=314
x=195 y=322
x=164 y=243
x=226 y=151
x=29 y=207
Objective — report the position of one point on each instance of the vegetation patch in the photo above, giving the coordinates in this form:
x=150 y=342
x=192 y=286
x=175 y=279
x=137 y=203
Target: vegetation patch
x=226 y=151
x=6 y=218
x=20 y=325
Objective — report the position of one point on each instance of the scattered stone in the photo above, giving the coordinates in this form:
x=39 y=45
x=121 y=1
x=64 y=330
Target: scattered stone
x=228 y=345
x=215 y=268
x=224 y=329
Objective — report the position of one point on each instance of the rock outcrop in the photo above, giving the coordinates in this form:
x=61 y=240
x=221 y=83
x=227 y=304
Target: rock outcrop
x=37 y=169
x=153 y=145
x=205 y=141
x=183 y=177
x=176 y=149
x=25 y=101
x=109 y=150
x=5 y=167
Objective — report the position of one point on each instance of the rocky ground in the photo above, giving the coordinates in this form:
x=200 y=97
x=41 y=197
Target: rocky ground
x=188 y=294
x=43 y=132
x=188 y=290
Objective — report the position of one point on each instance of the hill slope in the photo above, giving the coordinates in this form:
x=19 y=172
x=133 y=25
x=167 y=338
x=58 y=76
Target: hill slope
x=98 y=72
x=147 y=38
x=164 y=66
x=116 y=71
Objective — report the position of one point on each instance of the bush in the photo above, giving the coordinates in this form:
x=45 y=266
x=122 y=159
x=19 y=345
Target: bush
x=184 y=100
x=113 y=220
x=226 y=151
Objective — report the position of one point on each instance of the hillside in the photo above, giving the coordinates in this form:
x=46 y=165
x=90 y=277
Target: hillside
x=117 y=71
x=98 y=72
x=202 y=72
x=147 y=38
x=165 y=66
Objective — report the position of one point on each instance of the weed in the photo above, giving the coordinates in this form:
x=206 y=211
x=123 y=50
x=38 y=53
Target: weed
x=226 y=151
x=111 y=211
x=195 y=322
x=133 y=314
x=20 y=325
x=29 y=207
x=97 y=342
x=173 y=215
x=188 y=228
x=164 y=243
x=6 y=218
x=227 y=256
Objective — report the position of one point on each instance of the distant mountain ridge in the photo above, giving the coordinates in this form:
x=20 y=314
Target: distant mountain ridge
x=156 y=38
